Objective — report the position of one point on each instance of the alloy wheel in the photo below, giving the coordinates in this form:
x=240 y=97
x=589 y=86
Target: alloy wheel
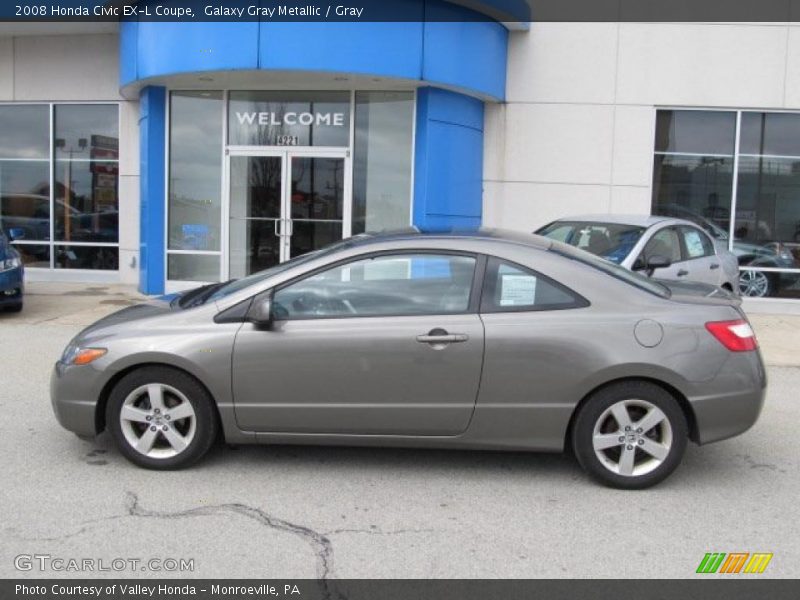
x=632 y=438
x=753 y=284
x=158 y=421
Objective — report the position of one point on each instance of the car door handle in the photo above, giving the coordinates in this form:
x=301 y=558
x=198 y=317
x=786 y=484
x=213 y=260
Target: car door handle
x=714 y=266
x=442 y=338
x=683 y=273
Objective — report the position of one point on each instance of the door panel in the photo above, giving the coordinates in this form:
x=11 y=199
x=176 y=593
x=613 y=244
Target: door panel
x=383 y=344
x=700 y=256
x=358 y=375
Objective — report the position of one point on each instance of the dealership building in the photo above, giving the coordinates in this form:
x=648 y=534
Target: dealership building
x=163 y=154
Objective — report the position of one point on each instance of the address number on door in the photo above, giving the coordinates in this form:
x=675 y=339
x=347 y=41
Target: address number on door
x=288 y=140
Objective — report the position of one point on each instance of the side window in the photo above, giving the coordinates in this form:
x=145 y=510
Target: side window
x=664 y=243
x=696 y=243
x=510 y=287
x=386 y=285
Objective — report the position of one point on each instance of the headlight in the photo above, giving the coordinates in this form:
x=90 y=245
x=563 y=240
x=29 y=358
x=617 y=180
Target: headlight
x=75 y=355
x=10 y=263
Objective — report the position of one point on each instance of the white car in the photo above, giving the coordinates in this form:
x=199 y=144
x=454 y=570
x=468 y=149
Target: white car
x=670 y=248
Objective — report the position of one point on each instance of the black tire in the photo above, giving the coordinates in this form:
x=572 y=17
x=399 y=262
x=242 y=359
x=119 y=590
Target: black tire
x=640 y=395
x=15 y=308
x=206 y=425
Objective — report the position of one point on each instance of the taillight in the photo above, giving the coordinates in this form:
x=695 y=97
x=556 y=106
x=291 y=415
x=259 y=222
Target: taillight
x=736 y=336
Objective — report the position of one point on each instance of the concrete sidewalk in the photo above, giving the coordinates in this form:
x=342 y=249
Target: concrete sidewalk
x=777 y=322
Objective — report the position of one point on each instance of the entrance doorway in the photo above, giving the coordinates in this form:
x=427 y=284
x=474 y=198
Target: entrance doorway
x=282 y=203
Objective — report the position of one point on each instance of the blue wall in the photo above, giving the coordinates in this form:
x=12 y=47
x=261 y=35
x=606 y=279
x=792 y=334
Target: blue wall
x=152 y=129
x=448 y=162
x=470 y=55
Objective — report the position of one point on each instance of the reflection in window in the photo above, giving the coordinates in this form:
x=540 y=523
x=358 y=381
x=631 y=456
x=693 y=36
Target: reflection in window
x=382 y=161
x=195 y=171
x=95 y=258
x=25 y=131
x=25 y=197
x=765 y=214
x=83 y=206
x=193 y=267
x=693 y=171
x=87 y=131
x=86 y=201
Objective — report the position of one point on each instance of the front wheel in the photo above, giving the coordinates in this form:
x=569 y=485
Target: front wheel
x=630 y=435
x=161 y=418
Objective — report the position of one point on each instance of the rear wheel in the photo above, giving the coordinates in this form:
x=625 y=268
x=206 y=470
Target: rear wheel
x=630 y=435
x=161 y=418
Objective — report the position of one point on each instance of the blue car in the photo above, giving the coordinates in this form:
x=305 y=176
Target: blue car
x=11 y=272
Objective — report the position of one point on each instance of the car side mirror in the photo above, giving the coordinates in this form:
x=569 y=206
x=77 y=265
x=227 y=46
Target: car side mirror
x=16 y=233
x=260 y=312
x=654 y=262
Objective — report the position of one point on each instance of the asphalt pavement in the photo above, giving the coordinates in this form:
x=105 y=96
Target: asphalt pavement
x=292 y=512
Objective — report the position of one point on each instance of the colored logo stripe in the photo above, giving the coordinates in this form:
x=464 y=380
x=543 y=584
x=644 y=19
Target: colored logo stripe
x=734 y=562
x=758 y=562
x=713 y=562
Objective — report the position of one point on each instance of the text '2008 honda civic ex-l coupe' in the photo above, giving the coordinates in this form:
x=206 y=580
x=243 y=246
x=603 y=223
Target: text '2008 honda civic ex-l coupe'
x=483 y=340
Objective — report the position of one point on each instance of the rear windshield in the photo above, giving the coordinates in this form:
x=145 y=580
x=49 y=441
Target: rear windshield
x=612 y=241
x=609 y=268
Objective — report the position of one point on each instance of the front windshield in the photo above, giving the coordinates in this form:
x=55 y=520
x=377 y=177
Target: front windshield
x=612 y=241
x=629 y=277
x=239 y=284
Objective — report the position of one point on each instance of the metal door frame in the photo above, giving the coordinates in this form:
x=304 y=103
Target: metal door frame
x=286 y=227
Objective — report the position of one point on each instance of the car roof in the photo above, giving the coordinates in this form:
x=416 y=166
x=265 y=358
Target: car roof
x=477 y=234
x=625 y=219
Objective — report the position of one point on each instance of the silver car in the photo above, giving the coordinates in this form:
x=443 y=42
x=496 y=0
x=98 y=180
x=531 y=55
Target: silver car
x=665 y=247
x=483 y=340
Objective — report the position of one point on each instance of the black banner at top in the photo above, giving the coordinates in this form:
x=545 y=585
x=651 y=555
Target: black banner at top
x=507 y=11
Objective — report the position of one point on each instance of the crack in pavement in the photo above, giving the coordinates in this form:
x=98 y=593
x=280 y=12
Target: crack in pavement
x=319 y=541
x=321 y=545
x=377 y=531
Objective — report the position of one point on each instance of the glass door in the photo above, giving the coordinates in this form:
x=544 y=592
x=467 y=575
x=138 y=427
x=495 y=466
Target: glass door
x=315 y=212
x=283 y=203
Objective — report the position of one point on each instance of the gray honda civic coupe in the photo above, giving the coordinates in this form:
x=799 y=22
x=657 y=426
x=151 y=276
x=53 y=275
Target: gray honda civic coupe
x=483 y=340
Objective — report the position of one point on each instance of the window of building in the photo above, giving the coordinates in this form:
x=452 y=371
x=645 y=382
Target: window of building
x=382 y=161
x=737 y=175
x=195 y=186
x=59 y=183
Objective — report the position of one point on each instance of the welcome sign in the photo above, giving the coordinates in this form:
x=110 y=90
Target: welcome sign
x=281 y=118
x=291 y=119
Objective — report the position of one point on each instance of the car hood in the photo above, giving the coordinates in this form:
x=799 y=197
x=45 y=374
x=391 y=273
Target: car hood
x=126 y=316
x=695 y=292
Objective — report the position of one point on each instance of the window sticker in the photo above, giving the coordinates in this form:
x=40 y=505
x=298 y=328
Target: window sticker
x=694 y=244
x=517 y=290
